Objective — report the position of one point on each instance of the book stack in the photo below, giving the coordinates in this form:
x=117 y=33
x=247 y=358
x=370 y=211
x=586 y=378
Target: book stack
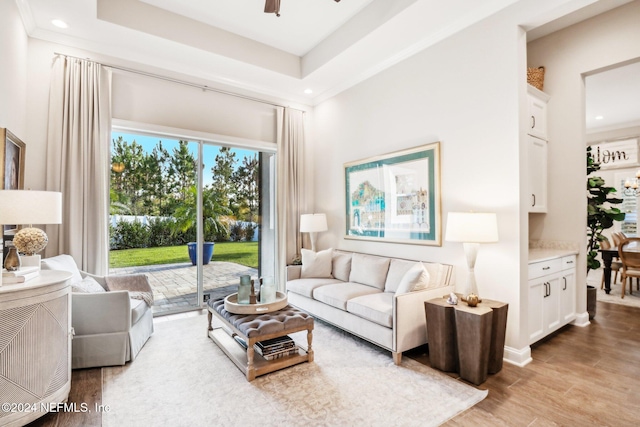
x=23 y=274
x=276 y=348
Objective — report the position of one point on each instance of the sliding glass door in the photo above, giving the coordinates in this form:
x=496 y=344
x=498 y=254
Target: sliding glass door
x=192 y=215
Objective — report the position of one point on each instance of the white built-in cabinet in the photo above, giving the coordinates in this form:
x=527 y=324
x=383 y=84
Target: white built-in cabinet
x=552 y=295
x=537 y=141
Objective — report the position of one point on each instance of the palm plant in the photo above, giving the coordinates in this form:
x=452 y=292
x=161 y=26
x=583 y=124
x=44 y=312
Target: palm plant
x=215 y=215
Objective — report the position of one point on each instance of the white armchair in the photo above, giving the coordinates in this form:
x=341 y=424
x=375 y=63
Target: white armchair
x=110 y=327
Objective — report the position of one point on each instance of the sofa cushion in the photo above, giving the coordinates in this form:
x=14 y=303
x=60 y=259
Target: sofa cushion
x=87 y=285
x=397 y=270
x=63 y=263
x=369 y=270
x=138 y=308
x=305 y=287
x=338 y=294
x=438 y=274
x=376 y=307
x=316 y=264
x=341 y=266
x=415 y=279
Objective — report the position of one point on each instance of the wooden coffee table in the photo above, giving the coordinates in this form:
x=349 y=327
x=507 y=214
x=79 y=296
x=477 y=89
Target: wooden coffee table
x=252 y=328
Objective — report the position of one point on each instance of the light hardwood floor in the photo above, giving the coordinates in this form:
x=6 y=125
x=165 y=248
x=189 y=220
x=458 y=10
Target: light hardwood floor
x=578 y=377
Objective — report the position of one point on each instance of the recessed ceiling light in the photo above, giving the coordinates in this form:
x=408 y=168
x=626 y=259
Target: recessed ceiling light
x=599 y=117
x=59 y=23
x=308 y=91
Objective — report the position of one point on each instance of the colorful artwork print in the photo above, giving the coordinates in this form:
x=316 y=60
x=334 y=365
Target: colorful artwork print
x=395 y=197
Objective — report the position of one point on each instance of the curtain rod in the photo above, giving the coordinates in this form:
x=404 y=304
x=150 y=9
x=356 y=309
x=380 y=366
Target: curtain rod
x=181 y=82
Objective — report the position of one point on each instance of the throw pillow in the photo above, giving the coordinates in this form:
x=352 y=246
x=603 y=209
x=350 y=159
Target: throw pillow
x=341 y=266
x=397 y=269
x=316 y=264
x=88 y=285
x=415 y=279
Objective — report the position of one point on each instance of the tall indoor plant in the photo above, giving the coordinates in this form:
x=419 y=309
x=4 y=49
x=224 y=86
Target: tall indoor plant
x=601 y=214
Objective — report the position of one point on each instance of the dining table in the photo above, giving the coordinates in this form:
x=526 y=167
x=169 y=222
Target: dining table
x=607 y=258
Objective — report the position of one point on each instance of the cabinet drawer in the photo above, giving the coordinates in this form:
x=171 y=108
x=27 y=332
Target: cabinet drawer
x=568 y=262
x=542 y=268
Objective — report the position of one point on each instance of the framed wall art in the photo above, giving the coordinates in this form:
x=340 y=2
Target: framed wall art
x=395 y=197
x=12 y=153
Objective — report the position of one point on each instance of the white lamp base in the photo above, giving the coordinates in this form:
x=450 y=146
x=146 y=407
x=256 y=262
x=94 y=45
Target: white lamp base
x=30 y=260
x=471 y=251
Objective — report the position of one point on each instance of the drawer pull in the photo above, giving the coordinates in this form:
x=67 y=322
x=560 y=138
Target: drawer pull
x=546 y=268
x=570 y=262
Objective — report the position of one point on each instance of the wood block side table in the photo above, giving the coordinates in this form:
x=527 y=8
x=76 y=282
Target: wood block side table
x=469 y=340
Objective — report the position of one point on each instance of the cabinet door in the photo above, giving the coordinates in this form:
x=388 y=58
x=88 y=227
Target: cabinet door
x=537 y=291
x=537 y=125
x=551 y=303
x=568 y=296
x=537 y=164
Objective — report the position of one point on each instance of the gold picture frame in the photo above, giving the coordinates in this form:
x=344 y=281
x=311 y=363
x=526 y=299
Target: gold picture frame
x=12 y=156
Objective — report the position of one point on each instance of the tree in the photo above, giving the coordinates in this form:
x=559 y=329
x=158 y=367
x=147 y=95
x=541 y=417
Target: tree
x=182 y=171
x=247 y=185
x=600 y=212
x=157 y=185
x=222 y=171
x=128 y=183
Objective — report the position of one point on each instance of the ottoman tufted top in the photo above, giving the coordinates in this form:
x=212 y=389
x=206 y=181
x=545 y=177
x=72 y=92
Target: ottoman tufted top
x=255 y=325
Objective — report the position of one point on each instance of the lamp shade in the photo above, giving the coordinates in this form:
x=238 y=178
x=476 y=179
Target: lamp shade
x=313 y=223
x=472 y=227
x=30 y=207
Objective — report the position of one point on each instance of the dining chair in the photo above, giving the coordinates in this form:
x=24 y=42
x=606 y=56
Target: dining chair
x=629 y=252
x=616 y=266
x=618 y=237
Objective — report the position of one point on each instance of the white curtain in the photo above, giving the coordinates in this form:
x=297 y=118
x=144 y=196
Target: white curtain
x=79 y=135
x=290 y=190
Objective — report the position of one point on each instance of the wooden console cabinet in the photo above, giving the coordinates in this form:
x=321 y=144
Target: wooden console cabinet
x=35 y=346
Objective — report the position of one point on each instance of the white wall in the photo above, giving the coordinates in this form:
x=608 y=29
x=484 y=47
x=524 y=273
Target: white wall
x=568 y=55
x=13 y=73
x=465 y=92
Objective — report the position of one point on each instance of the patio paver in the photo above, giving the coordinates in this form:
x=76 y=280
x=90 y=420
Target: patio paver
x=175 y=285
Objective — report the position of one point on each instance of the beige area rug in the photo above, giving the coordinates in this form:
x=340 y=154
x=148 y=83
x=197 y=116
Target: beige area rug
x=181 y=378
x=615 y=296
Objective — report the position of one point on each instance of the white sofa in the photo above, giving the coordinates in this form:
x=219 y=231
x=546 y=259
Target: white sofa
x=380 y=299
x=110 y=327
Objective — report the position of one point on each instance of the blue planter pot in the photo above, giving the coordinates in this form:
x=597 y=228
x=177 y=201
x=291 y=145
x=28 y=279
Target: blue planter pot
x=207 y=252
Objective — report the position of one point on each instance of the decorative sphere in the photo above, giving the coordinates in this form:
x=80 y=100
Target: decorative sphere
x=472 y=300
x=30 y=241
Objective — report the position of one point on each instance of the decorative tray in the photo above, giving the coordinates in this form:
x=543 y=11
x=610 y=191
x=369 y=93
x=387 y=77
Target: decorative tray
x=232 y=306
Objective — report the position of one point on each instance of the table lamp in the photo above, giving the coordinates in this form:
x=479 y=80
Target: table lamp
x=471 y=228
x=29 y=207
x=313 y=224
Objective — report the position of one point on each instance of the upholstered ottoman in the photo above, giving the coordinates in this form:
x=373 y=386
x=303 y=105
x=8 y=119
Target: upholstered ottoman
x=236 y=335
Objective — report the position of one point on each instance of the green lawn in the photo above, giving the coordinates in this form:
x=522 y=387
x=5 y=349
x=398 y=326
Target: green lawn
x=244 y=253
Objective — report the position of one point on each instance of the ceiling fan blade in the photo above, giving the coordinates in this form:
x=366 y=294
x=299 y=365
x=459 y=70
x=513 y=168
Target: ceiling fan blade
x=272 y=6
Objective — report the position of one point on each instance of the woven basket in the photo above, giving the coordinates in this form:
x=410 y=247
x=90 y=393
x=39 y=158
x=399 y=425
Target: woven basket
x=535 y=77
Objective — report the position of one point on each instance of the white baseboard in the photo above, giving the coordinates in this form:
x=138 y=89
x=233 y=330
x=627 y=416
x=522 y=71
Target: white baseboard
x=521 y=357
x=582 y=320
